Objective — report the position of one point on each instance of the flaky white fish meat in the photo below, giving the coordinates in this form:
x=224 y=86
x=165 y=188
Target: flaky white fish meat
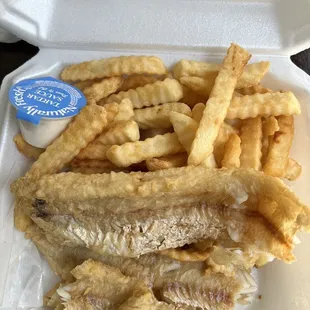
x=155 y=271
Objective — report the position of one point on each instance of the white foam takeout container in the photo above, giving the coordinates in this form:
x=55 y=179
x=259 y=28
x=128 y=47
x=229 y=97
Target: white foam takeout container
x=76 y=30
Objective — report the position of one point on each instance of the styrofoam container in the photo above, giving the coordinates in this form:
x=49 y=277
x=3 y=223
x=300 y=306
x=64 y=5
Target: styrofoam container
x=76 y=30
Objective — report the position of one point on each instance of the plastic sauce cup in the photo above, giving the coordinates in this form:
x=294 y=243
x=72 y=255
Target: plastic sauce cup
x=45 y=106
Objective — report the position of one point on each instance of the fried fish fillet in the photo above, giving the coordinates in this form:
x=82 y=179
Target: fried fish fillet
x=267 y=200
x=156 y=271
x=147 y=231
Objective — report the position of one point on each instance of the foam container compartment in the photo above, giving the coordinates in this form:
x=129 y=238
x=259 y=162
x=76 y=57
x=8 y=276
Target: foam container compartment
x=77 y=30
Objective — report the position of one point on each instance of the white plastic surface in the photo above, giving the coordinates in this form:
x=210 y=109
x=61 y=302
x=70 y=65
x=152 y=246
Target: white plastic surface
x=264 y=26
x=6 y=37
x=283 y=287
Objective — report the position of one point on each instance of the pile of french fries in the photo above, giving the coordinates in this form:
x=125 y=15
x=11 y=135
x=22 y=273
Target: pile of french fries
x=140 y=117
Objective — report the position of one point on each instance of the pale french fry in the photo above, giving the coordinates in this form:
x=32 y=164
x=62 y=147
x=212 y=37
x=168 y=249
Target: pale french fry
x=82 y=130
x=191 y=98
x=218 y=103
x=185 y=128
x=270 y=126
x=209 y=162
x=251 y=143
x=159 y=116
x=279 y=148
x=26 y=149
x=134 y=81
x=150 y=133
x=251 y=75
x=115 y=66
x=169 y=90
x=194 y=68
x=219 y=145
x=197 y=111
x=94 y=150
x=83 y=84
x=125 y=112
x=189 y=255
x=293 y=170
x=112 y=110
x=127 y=131
x=201 y=86
x=232 y=152
x=166 y=162
x=268 y=104
x=248 y=91
x=102 y=89
x=91 y=163
x=135 y=152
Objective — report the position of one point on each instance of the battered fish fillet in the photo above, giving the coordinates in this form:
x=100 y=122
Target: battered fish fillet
x=148 y=231
x=104 y=287
x=272 y=216
x=156 y=271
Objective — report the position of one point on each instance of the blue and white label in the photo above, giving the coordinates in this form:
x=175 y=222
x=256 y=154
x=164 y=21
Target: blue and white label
x=47 y=98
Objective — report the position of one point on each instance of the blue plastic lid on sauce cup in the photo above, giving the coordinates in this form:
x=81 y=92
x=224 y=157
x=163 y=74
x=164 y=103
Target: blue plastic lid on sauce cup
x=45 y=106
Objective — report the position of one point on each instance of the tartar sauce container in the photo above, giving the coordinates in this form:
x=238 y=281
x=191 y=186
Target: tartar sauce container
x=45 y=106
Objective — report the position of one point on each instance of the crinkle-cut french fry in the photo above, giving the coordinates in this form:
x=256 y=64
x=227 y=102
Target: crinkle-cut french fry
x=112 y=110
x=127 y=131
x=232 y=151
x=191 y=98
x=268 y=104
x=115 y=66
x=91 y=163
x=209 y=162
x=89 y=166
x=293 y=170
x=279 y=148
x=94 y=150
x=150 y=133
x=251 y=143
x=185 y=128
x=27 y=149
x=83 y=84
x=125 y=112
x=169 y=90
x=194 y=68
x=270 y=126
x=248 y=91
x=189 y=255
x=167 y=162
x=80 y=132
x=135 y=152
x=197 y=111
x=134 y=81
x=159 y=116
x=218 y=103
x=102 y=89
x=251 y=75
x=219 y=145
x=201 y=86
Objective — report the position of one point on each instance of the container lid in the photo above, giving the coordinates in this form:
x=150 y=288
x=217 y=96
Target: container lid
x=264 y=26
x=46 y=98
